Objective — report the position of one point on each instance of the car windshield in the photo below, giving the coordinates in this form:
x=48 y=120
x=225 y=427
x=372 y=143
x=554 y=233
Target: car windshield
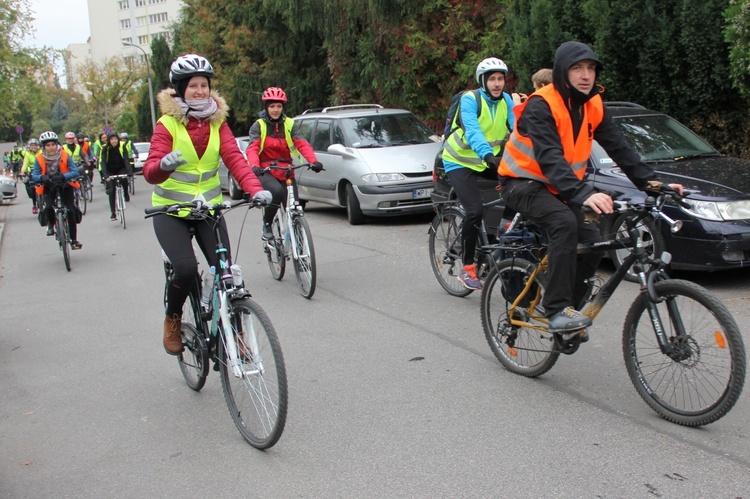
x=386 y=130
x=661 y=138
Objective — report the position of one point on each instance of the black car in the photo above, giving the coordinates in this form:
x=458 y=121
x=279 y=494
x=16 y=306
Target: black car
x=716 y=227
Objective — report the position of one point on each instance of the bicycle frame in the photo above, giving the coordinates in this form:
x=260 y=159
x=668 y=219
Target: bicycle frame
x=638 y=259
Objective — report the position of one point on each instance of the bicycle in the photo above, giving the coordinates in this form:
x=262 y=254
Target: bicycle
x=61 y=226
x=292 y=238
x=86 y=187
x=131 y=176
x=691 y=371
x=119 y=198
x=235 y=333
x=79 y=197
x=446 y=249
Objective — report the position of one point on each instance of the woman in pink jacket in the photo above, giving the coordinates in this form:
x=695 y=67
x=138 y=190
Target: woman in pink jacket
x=183 y=163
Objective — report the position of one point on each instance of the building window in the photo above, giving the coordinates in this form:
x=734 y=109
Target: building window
x=123 y=4
x=154 y=2
x=140 y=21
x=124 y=23
x=127 y=40
x=158 y=18
x=140 y=3
x=143 y=40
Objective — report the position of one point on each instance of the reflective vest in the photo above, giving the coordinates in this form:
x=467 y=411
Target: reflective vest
x=519 y=160
x=495 y=129
x=76 y=153
x=63 y=169
x=288 y=125
x=197 y=177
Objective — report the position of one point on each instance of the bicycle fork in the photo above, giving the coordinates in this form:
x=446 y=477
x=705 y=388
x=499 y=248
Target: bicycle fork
x=235 y=363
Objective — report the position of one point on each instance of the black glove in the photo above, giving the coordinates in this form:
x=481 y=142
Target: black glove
x=258 y=171
x=44 y=180
x=492 y=160
x=317 y=167
x=57 y=178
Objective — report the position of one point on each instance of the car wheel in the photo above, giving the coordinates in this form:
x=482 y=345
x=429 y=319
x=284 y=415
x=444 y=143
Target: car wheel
x=234 y=190
x=652 y=239
x=353 y=211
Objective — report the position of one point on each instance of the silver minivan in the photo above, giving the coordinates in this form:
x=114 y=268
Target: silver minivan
x=378 y=161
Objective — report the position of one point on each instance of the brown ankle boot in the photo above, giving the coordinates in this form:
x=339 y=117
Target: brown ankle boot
x=172 y=338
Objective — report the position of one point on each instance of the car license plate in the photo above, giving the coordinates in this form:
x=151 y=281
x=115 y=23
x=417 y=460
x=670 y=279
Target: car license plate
x=422 y=193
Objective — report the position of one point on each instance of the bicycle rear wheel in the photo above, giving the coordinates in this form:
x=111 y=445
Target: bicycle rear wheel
x=274 y=249
x=63 y=236
x=445 y=250
x=81 y=200
x=88 y=189
x=522 y=350
x=257 y=400
x=304 y=265
x=703 y=378
x=131 y=184
x=194 y=359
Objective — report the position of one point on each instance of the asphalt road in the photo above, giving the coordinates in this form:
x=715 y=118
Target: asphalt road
x=393 y=389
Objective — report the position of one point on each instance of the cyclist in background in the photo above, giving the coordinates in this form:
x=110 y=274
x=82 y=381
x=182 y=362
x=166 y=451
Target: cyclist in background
x=96 y=152
x=28 y=165
x=273 y=139
x=115 y=161
x=474 y=149
x=132 y=152
x=72 y=147
x=16 y=159
x=183 y=163
x=86 y=154
x=54 y=167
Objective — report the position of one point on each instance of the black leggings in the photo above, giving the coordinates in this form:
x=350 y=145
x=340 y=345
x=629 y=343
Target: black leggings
x=174 y=237
x=112 y=192
x=464 y=182
x=67 y=199
x=277 y=188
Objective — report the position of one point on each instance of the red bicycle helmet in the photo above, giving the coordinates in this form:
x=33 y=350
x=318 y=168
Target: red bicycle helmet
x=274 y=94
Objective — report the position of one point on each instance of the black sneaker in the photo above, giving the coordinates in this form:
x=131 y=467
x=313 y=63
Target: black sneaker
x=76 y=245
x=267 y=234
x=51 y=230
x=568 y=319
x=113 y=217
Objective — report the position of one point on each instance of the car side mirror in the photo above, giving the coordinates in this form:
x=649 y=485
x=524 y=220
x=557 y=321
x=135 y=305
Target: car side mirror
x=340 y=150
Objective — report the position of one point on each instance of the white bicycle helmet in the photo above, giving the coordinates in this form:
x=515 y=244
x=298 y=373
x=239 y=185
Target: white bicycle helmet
x=47 y=137
x=189 y=65
x=124 y=135
x=70 y=135
x=490 y=65
x=33 y=142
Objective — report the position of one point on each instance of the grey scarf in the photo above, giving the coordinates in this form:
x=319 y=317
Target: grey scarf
x=199 y=109
x=52 y=161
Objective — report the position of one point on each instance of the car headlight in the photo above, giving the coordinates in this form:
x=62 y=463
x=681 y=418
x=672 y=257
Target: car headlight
x=383 y=177
x=718 y=210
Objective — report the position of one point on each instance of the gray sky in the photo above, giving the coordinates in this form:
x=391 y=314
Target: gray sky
x=52 y=15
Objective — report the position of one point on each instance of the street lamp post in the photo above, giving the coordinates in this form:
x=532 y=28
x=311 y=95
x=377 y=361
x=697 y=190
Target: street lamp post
x=150 y=88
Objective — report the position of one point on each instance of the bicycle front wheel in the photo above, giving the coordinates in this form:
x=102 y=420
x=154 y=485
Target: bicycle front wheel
x=702 y=379
x=522 y=350
x=256 y=393
x=88 y=190
x=82 y=201
x=304 y=264
x=445 y=250
x=63 y=234
x=121 y=207
x=274 y=249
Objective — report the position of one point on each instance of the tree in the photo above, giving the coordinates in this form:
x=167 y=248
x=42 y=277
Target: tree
x=737 y=35
x=109 y=84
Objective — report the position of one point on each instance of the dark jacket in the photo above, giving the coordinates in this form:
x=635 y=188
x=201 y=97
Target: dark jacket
x=537 y=123
x=115 y=161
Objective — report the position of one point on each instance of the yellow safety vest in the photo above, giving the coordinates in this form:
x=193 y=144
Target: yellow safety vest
x=198 y=177
x=288 y=124
x=495 y=129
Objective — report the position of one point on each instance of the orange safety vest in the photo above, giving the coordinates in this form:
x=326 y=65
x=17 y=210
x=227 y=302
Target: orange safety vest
x=519 y=160
x=63 y=169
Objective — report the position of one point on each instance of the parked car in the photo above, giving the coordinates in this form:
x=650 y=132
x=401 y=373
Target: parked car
x=377 y=161
x=228 y=183
x=716 y=227
x=7 y=188
x=140 y=160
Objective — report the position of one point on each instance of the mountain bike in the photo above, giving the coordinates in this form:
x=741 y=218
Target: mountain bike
x=62 y=226
x=682 y=348
x=119 y=198
x=232 y=330
x=292 y=238
x=446 y=249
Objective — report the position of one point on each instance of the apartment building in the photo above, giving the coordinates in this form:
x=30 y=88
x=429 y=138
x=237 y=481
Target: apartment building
x=114 y=22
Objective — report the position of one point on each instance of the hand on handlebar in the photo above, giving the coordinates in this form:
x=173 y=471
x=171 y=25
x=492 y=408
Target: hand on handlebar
x=258 y=171
x=263 y=197
x=317 y=167
x=600 y=203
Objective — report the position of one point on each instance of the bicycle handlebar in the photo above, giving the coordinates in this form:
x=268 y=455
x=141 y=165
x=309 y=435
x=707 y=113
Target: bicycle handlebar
x=201 y=207
x=276 y=166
